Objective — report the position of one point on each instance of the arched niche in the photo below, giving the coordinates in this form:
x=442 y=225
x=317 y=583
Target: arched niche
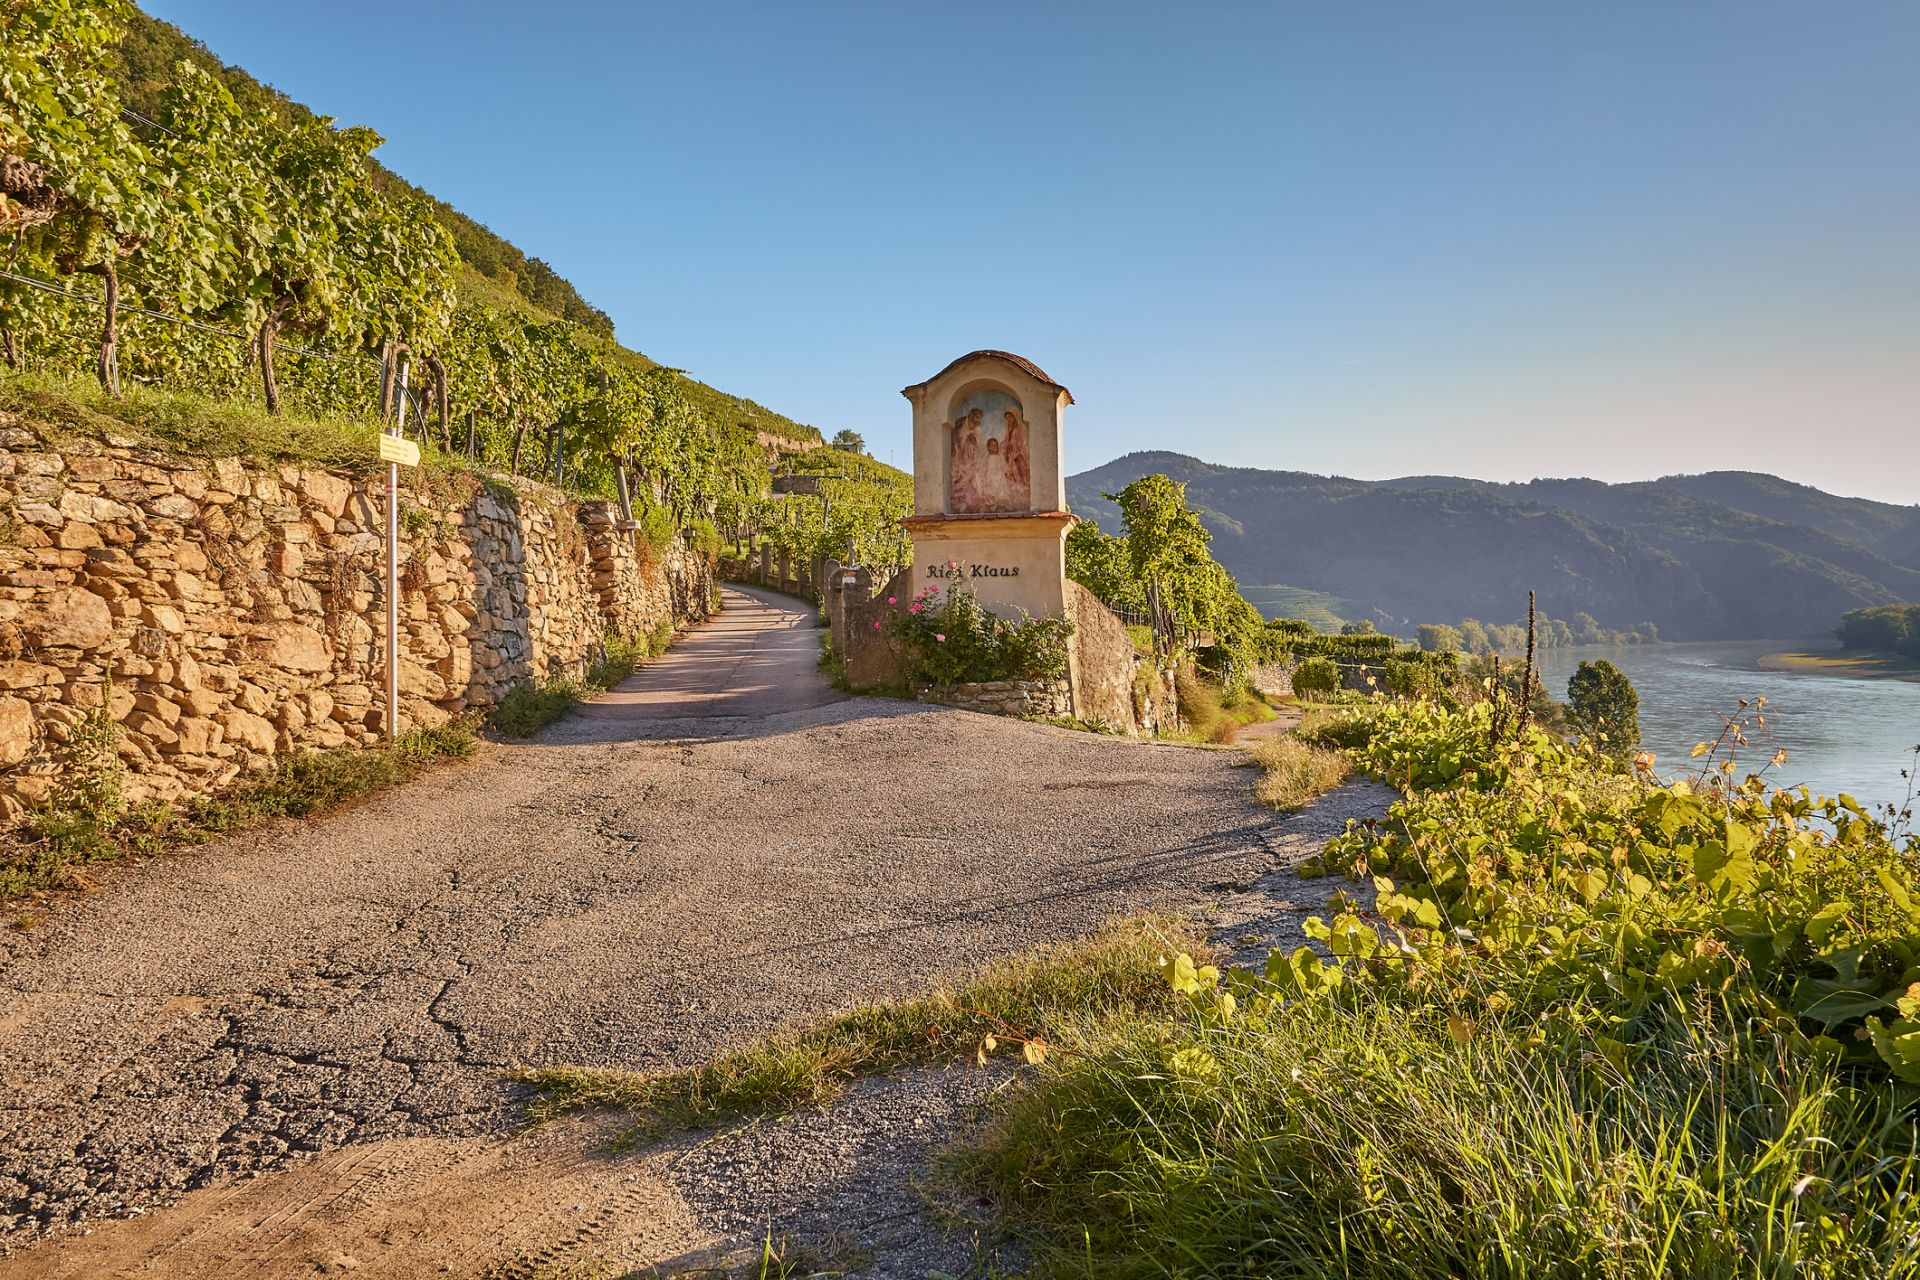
x=989 y=450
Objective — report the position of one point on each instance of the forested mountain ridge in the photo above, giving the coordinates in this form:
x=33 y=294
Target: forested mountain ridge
x=1439 y=548
x=492 y=269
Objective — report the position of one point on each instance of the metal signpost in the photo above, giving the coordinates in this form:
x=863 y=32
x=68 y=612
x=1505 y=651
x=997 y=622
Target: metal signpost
x=396 y=451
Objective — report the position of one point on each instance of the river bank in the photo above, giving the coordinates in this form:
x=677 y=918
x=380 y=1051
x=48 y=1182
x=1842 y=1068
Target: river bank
x=1850 y=664
x=1852 y=735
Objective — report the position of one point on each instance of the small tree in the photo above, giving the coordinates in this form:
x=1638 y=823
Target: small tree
x=1437 y=637
x=847 y=440
x=1604 y=708
x=1364 y=627
x=1316 y=677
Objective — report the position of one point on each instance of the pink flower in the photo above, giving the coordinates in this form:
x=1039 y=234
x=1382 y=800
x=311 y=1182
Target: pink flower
x=891 y=600
x=915 y=608
x=940 y=636
x=876 y=624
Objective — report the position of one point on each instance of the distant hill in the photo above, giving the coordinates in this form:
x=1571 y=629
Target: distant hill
x=1720 y=556
x=493 y=270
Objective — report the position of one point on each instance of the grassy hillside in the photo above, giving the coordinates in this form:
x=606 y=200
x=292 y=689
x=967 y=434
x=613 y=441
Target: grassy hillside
x=1433 y=548
x=493 y=270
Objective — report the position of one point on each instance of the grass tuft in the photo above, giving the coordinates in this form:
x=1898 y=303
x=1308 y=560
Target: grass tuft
x=1293 y=772
x=1059 y=993
x=529 y=708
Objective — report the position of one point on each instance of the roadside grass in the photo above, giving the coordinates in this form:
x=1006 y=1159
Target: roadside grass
x=63 y=835
x=1364 y=1139
x=1046 y=1002
x=529 y=708
x=1292 y=772
x=1589 y=1025
x=1209 y=713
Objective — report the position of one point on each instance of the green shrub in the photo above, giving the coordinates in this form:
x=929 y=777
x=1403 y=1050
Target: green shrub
x=1316 y=677
x=1604 y=708
x=947 y=637
x=1893 y=627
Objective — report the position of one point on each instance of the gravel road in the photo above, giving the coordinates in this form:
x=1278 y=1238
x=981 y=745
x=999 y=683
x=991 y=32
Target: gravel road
x=720 y=847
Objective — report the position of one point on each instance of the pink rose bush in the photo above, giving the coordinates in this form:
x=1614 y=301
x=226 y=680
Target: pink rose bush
x=947 y=637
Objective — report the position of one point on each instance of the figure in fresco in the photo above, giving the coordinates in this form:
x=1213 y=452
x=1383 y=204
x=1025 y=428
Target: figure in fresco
x=964 y=471
x=989 y=469
x=1018 y=467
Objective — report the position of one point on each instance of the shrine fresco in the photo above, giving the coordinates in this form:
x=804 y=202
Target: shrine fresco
x=989 y=463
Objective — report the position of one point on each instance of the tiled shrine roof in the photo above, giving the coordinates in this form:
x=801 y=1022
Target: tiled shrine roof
x=1021 y=363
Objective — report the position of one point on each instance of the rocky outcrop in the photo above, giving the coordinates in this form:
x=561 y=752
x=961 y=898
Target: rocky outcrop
x=233 y=610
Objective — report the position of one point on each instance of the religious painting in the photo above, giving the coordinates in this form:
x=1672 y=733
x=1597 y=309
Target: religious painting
x=989 y=464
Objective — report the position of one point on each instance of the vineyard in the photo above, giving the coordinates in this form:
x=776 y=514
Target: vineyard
x=845 y=506
x=227 y=242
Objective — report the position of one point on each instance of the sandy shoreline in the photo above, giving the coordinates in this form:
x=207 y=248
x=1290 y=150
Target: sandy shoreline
x=1848 y=665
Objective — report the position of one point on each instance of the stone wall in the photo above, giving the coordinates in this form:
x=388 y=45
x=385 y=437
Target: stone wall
x=1050 y=699
x=234 y=608
x=1104 y=662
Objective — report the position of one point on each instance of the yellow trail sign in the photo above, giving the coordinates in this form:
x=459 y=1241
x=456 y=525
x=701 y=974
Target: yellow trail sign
x=396 y=449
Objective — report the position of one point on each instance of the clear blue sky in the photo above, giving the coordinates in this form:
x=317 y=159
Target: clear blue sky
x=1504 y=240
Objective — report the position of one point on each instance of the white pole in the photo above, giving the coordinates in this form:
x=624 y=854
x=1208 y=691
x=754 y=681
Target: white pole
x=393 y=568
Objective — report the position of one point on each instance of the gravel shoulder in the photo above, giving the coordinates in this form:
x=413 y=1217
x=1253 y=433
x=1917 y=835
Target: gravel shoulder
x=335 y=1003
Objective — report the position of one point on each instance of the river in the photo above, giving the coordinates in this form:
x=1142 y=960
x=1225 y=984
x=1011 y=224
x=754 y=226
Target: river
x=1840 y=734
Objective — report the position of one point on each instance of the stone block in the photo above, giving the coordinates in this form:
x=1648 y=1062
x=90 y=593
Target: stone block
x=172 y=506
x=154 y=705
x=29 y=675
x=16 y=730
x=248 y=730
x=291 y=646
x=67 y=618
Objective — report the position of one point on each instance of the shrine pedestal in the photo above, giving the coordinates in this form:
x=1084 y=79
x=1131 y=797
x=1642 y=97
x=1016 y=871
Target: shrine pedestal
x=1013 y=564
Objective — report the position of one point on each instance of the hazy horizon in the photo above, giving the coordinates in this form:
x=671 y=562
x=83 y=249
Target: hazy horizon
x=1494 y=240
x=1074 y=470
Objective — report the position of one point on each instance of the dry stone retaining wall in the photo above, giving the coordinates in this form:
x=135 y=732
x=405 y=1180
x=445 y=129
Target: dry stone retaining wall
x=233 y=608
x=1052 y=699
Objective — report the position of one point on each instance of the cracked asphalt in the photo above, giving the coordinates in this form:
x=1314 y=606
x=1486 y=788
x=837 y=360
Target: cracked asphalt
x=721 y=847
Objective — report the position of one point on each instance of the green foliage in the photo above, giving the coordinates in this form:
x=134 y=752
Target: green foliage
x=1604 y=708
x=847 y=440
x=1101 y=563
x=75 y=823
x=1894 y=628
x=1316 y=677
x=1484 y=638
x=946 y=637
x=528 y=708
x=286 y=255
x=1162 y=567
x=1591 y=1025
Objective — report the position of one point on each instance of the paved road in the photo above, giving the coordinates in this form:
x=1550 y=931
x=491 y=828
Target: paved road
x=722 y=846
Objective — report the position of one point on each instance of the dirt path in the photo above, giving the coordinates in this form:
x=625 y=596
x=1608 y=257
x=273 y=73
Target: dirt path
x=720 y=847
